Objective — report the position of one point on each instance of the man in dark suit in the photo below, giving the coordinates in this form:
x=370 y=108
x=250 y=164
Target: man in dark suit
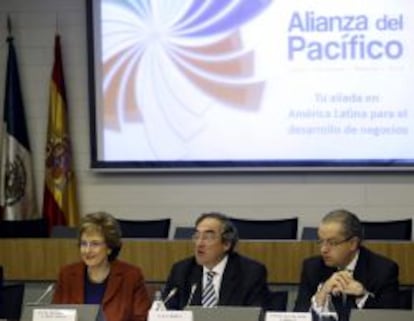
x=237 y=280
x=346 y=275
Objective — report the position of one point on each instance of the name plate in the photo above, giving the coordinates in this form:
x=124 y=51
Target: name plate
x=288 y=316
x=54 y=315
x=170 y=316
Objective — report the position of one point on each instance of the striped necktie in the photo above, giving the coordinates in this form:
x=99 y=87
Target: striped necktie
x=209 y=297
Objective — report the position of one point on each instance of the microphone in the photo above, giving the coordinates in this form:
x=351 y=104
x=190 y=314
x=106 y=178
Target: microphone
x=44 y=294
x=192 y=291
x=172 y=292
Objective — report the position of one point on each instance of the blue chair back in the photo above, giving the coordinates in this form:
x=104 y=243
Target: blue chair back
x=309 y=233
x=183 y=232
x=64 y=232
x=145 y=228
x=388 y=230
x=36 y=228
x=278 y=229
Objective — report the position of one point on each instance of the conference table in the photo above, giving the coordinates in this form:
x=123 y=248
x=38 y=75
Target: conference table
x=40 y=259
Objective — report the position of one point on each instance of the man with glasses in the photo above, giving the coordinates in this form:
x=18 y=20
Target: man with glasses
x=345 y=275
x=216 y=274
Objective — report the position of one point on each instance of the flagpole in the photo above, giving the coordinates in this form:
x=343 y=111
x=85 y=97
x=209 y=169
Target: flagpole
x=57 y=24
x=9 y=27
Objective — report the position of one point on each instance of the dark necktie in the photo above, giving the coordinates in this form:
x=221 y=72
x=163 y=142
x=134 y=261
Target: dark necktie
x=342 y=305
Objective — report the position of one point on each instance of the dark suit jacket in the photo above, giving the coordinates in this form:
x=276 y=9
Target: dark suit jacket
x=244 y=283
x=125 y=299
x=378 y=274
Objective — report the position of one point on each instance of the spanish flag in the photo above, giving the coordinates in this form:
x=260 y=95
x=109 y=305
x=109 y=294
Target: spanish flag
x=17 y=193
x=60 y=204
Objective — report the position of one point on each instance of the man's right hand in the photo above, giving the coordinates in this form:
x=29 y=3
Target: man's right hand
x=335 y=285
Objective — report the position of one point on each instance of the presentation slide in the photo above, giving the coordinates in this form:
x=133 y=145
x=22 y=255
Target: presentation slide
x=238 y=81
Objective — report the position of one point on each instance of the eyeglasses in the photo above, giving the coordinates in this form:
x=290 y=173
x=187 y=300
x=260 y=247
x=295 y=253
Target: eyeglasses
x=332 y=243
x=208 y=236
x=92 y=244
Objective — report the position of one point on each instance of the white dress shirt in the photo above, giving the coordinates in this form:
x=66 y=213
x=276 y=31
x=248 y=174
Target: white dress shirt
x=218 y=275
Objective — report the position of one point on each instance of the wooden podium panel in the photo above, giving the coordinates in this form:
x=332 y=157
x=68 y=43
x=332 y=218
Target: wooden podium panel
x=40 y=259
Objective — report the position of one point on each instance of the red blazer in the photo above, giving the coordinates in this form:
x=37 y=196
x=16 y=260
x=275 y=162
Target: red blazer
x=125 y=299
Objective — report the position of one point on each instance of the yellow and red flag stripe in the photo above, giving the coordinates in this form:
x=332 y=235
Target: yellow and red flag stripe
x=60 y=203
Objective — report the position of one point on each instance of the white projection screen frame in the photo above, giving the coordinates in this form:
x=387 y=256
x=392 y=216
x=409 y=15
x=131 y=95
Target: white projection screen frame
x=251 y=85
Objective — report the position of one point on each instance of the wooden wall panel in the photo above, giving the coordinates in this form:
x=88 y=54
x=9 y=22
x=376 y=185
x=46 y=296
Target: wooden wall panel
x=40 y=259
